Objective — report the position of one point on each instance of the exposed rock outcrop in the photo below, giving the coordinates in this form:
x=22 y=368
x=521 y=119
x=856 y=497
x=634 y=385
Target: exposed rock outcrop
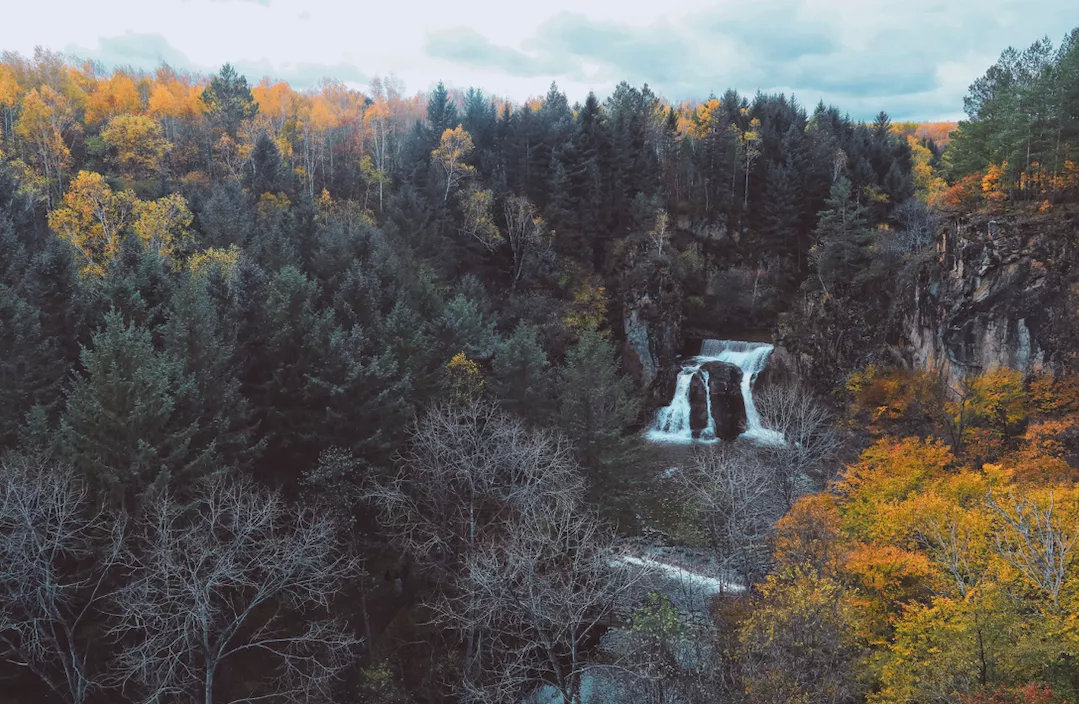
x=1001 y=293
x=728 y=409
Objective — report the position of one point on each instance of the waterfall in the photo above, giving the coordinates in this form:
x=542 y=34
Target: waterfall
x=672 y=421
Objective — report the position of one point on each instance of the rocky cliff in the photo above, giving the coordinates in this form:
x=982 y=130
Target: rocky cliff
x=1001 y=292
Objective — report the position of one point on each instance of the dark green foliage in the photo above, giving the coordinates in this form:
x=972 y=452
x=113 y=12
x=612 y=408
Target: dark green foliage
x=129 y=420
x=521 y=374
x=228 y=99
x=1023 y=116
x=597 y=403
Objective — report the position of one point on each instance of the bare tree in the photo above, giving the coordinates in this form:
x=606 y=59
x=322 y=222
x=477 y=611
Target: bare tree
x=660 y=232
x=57 y=550
x=235 y=574
x=735 y=493
x=1036 y=539
x=800 y=464
x=469 y=472
x=525 y=575
x=526 y=232
x=541 y=597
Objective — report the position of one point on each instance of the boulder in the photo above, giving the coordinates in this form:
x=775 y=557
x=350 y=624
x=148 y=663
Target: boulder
x=698 y=405
x=725 y=388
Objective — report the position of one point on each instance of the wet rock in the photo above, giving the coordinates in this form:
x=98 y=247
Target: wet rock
x=725 y=388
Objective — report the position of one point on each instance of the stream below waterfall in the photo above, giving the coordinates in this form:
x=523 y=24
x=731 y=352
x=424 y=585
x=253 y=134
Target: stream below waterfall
x=672 y=423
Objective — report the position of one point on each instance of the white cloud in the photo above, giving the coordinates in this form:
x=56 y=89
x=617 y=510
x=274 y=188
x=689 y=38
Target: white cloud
x=913 y=58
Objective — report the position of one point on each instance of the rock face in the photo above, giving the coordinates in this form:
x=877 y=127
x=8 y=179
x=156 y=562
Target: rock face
x=651 y=303
x=1000 y=294
x=725 y=388
x=698 y=405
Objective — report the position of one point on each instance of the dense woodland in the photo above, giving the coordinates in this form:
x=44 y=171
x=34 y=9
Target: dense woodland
x=319 y=396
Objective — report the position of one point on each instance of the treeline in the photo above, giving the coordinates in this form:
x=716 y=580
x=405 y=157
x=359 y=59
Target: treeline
x=1021 y=139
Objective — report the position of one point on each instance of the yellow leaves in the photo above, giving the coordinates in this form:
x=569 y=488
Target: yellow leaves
x=588 y=309
x=215 y=261
x=462 y=378
x=161 y=223
x=138 y=144
x=92 y=218
x=477 y=205
x=453 y=148
x=271 y=204
x=9 y=87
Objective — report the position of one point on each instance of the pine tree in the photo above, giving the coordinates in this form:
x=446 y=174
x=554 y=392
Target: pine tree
x=127 y=423
x=597 y=402
x=520 y=373
x=228 y=100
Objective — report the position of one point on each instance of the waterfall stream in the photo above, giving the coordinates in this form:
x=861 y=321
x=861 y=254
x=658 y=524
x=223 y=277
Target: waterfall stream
x=672 y=422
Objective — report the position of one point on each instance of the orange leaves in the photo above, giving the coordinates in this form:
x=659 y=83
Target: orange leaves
x=113 y=96
x=961 y=195
x=993 y=189
x=173 y=98
x=809 y=534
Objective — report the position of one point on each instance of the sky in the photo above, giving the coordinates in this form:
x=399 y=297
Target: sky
x=913 y=59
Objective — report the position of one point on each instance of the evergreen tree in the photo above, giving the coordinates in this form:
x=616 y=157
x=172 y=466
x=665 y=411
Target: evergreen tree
x=843 y=237
x=597 y=402
x=520 y=373
x=228 y=100
x=127 y=423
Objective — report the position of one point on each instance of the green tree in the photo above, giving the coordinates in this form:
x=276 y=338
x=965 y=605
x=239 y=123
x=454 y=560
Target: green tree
x=597 y=401
x=228 y=100
x=125 y=426
x=521 y=374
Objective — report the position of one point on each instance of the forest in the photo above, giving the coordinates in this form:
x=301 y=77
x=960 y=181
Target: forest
x=341 y=396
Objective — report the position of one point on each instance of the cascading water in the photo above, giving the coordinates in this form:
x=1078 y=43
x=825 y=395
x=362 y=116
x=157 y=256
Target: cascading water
x=672 y=423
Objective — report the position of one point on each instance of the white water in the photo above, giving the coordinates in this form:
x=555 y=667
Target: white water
x=672 y=421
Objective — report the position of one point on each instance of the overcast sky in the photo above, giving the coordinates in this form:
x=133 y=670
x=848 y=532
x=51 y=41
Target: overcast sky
x=912 y=58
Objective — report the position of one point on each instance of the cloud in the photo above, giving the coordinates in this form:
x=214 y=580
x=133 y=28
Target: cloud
x=149 y=51
x=467 y=47
x=141 y=51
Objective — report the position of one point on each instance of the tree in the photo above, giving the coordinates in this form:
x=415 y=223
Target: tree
x=521 y=373
x=161 y=225
x=228 y=100
x=597 y=401
x=47 y=117
x=453 y=148
x=127 y=423
x=800 y=642
x=810 y=439
x=473 y=485
x=234 y=573
x=477 y=205
x=843 y=239
x=660 y=232
x=736 y=497
x=137 y=145
x=59 y=553
x=92 y=218
x=526 y=232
